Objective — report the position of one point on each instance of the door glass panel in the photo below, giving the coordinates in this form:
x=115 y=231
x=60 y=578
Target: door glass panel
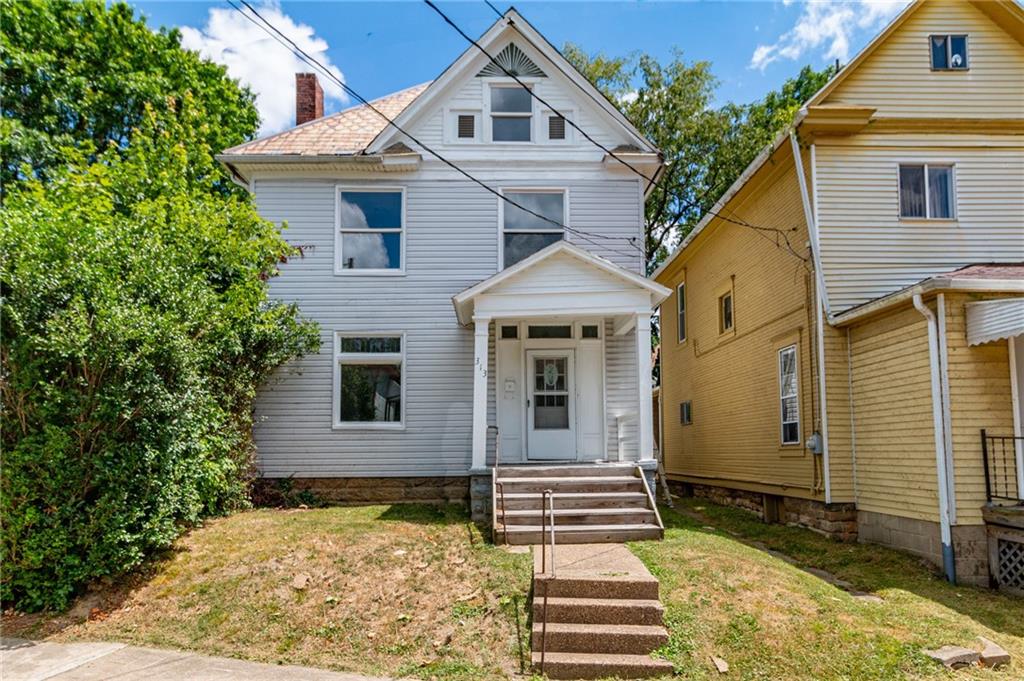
x=551 y=399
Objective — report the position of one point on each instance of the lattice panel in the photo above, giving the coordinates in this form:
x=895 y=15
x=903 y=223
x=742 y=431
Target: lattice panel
x=1011 y=563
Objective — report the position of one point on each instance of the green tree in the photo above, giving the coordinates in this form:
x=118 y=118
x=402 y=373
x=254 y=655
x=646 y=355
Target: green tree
x=83 y=74
x=135 y=331
x=706 y=148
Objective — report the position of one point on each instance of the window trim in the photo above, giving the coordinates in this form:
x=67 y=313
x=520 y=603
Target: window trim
x=722 y=328
x=681 y=313
x=949 y=52
x=339 y=189
x=778 y=375
x=564 y=191
x=686 y=413
x=927 y=192
x=365 y=358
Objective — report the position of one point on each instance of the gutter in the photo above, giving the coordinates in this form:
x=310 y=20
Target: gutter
x=942 y=473
x=923 y=288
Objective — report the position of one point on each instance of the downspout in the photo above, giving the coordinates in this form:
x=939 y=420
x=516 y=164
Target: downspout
x=945 y=532
x=821 y=304
x=947 y=418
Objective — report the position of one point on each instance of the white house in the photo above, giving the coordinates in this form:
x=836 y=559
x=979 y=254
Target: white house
x=500 y=315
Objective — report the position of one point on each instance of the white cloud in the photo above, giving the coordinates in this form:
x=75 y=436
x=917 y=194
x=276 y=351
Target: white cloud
x=828 y=26
x=261 y=62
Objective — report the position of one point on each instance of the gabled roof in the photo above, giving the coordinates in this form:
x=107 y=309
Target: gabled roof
x=526 y=33
x=1008 y=14
x=347 y=132
x=463 y=301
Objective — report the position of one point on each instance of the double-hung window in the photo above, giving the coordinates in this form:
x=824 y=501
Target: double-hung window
x=511 y=114
x=368 y=380
x=536 y=225
x=370 y=223
x=789 y=411
x=681 y=311
x=927 y=191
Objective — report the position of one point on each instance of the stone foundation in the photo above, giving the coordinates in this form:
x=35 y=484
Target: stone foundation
x=922 y=538
x=834 y=520
x=480 y=505
x=354 y=491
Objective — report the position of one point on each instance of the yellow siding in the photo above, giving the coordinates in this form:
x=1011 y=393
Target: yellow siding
x=897 y=78
x=868 y=252
x=732 y=379
x=840 y=434
x=979 y=397
x=895 y=456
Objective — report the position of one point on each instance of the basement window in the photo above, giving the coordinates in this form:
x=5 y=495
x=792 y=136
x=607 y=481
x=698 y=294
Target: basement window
x=949 y=52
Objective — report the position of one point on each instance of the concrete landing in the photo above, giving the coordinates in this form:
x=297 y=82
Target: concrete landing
x=593 y=560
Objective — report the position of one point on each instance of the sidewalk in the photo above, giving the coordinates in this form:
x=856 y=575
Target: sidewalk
x=22 y=660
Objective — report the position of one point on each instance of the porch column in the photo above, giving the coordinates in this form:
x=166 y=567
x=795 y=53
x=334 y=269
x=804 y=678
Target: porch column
x=481 y=334
x=645 y=425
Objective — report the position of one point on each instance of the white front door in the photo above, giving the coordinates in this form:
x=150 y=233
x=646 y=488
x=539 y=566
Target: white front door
x=550 y=405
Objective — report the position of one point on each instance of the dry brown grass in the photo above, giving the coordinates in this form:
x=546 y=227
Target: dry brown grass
x=385 y=590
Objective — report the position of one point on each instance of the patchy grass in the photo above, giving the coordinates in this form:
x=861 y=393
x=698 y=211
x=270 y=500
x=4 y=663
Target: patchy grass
x=772 y=620
x=397 y=590
x=414 y=591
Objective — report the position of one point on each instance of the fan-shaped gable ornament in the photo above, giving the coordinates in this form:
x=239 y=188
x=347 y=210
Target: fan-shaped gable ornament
x=511 y=60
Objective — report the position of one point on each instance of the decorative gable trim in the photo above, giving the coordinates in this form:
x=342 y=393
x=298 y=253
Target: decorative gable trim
x=511 y=60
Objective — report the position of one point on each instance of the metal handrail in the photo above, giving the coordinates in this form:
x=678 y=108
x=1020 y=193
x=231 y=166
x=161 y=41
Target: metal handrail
x=999 y=457
x=547 y=507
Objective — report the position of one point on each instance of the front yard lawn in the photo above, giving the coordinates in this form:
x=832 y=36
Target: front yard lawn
x=415 y=591
x=399 y=590
x=725 y=595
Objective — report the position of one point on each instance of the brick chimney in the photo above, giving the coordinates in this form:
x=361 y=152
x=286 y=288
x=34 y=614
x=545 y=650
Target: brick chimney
x=309 y=98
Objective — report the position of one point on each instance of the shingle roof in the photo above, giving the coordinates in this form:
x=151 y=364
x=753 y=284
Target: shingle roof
x=346 y=132
x=1000 y=271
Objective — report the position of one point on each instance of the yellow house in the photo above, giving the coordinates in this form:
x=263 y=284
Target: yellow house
x=848 y=320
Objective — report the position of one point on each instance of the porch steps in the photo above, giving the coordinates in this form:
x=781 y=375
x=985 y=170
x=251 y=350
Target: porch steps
x=594 y=503
x=598 y=616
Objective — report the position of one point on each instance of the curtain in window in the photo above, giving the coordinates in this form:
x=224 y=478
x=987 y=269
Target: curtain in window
x=940 y=192
x=912 y=192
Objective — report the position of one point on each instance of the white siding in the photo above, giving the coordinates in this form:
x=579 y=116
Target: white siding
x=621 y=398
x=451 y=243
x=868 y=252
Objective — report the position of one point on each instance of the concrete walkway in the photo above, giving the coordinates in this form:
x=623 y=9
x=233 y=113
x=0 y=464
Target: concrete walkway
x=22 y=660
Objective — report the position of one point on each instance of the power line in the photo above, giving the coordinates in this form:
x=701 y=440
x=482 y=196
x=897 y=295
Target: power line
x=496 y=10
x=281 y=38
x=652 y=180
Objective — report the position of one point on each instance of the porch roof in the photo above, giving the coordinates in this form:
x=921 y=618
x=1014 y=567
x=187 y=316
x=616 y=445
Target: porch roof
x=992 y=320
x=562 y=279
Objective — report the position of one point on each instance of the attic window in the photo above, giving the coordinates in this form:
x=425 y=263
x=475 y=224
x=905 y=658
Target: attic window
x=556 y=128
x=466 y=126
x=511 y=114
x=949 y=52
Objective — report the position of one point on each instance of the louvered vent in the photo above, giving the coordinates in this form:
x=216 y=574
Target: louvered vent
x=556 y=128
x=511 y=60
x=467 y=126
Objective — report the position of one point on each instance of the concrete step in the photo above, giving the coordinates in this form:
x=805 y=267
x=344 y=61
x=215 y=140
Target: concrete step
x=590 y=483
x=583 y=470
x=600 y=666
x=578 y=534
x=629 y=639
x=599 y=610
x=579 y=516
x=530 y=500
x=627 y=587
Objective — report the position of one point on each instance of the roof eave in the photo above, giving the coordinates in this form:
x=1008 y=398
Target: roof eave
x=933 y=285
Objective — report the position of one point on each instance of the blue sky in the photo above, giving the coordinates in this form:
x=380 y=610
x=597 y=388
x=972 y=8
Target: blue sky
x=382 y=47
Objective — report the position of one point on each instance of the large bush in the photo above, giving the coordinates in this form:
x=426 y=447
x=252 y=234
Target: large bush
x=135 y=330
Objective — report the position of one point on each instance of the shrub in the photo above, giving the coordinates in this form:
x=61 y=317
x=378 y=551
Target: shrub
x=136 y=328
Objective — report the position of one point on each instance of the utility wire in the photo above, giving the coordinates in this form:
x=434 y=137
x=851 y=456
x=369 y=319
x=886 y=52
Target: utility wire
x=281 y=38
x=651 y=180
x=496 y=10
